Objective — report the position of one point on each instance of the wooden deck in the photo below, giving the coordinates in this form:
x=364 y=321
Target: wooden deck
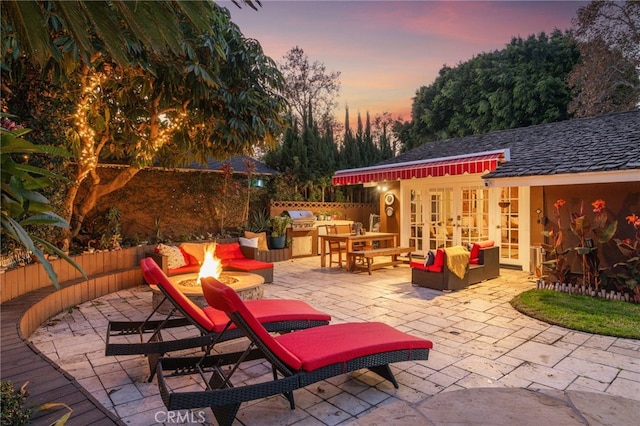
x=21 y=362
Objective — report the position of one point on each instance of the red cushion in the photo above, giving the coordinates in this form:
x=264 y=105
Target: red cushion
x=439 y=260
x=271 y=310
x=248 y=264
x=190 y=259
x=485 y=244
x=154 y=275
x=348 y=341
x=418 y=265
x=229 y=251
x=474 y=256
x=188 y=269
x=475 y=252
x=224 y=298
x=438 y=263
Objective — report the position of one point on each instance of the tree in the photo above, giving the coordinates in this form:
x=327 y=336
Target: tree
x=309 y=87
x=608 y=77
x=217 y=97
x=64 y=31
x=521 y=85
x=23 y=206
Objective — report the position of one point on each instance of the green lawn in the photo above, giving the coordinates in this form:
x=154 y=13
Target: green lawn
x=582 y=313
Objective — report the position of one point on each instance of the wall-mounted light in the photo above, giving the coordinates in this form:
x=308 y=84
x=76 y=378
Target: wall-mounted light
x=257 y=183
x=541 y=219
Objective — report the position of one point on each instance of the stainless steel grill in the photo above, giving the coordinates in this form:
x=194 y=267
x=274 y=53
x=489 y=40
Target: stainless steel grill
x=301 y=218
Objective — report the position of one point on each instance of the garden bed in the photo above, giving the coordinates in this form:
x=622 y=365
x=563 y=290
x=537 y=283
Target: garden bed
x=588 y=291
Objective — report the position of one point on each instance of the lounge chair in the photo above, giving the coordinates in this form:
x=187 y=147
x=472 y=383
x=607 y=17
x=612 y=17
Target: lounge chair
x=277 y=315
x=297 y=359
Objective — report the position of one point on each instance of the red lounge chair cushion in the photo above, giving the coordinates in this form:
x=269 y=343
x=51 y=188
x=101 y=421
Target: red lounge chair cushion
x=265 y=310
x=270 y=310
x=327 y=345
x=474 y=256
x=229 y=251
x=247 y=264
x=224 y=298
x=153 y=274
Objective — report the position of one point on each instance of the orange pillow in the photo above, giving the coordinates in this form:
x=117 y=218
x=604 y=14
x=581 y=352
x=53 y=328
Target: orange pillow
x=262 y=239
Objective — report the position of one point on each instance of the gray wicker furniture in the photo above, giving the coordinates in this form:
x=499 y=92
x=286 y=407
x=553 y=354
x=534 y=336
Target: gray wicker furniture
x=487 y=268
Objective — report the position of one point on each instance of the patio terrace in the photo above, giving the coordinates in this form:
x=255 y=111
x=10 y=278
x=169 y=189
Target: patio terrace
x=479 y=342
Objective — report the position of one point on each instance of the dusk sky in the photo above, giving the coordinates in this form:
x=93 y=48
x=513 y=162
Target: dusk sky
x=386 y=50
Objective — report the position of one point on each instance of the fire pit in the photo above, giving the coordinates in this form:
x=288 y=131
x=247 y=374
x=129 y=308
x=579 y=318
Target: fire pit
x=248 y=286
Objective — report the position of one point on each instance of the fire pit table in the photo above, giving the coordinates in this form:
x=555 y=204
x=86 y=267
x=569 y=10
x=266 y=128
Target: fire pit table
x=247 y=285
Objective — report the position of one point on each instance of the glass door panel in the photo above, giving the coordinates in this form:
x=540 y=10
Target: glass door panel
x=474 y=215
x=509 y=224
x=441 y=218
x=416 y=222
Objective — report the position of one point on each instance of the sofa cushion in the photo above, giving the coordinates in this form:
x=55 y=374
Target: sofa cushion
x=188 y=269
x=229 y=251
x=196 y=250
x=438 y=262
x=428 y=261
x=248 y=264
x=248 y=242
x=262 y=239
x=474 y=256
x=174 y=256
x=437 y=266
x=191 y=260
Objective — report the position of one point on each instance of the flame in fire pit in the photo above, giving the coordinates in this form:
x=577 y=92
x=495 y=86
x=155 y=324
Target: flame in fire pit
x=211 y=266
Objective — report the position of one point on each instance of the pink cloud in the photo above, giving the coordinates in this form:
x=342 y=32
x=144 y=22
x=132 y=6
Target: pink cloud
x=386 y=50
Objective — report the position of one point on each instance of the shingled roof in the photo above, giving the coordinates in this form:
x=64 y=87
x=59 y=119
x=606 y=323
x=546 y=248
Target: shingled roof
x=237 y=163
x=597 y=144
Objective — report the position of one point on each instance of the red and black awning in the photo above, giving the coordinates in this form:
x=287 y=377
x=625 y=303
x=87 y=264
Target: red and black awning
x=448 y=166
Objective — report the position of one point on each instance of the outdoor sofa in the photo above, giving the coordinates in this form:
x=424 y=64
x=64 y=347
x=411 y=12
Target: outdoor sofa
x=187 y=258
x=482 y=264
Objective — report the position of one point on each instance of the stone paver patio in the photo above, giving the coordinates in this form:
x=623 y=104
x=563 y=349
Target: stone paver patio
x=479 y=342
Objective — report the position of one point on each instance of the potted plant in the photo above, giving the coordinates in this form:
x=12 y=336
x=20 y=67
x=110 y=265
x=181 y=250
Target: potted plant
x=279 y=231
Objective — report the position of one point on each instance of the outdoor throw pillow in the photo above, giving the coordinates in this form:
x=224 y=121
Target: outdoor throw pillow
x=196 y=250
x=262 y=239
x=248 y=242
x=175 y=259
x=428 y=261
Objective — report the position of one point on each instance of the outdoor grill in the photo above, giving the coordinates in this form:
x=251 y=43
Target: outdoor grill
x=301 y=218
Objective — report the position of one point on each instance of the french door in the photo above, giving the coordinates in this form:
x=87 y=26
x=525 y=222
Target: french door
x=447 y=216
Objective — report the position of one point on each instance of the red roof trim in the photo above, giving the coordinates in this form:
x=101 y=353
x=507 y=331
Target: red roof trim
x=472 y=164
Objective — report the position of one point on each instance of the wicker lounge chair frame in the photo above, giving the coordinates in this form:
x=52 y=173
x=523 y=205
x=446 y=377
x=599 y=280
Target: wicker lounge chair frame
x=153 y=345
x=225 y=398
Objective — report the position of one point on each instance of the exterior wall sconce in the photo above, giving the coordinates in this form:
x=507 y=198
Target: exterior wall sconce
x=541 y=219
x=257 y=183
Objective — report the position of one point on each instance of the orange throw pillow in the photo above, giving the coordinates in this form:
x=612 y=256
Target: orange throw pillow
x=262 y=239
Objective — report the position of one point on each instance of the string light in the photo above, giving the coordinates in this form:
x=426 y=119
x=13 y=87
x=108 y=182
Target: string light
x=87 y=156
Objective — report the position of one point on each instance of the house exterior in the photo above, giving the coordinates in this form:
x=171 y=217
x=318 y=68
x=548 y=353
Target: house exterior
x=502 y=185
